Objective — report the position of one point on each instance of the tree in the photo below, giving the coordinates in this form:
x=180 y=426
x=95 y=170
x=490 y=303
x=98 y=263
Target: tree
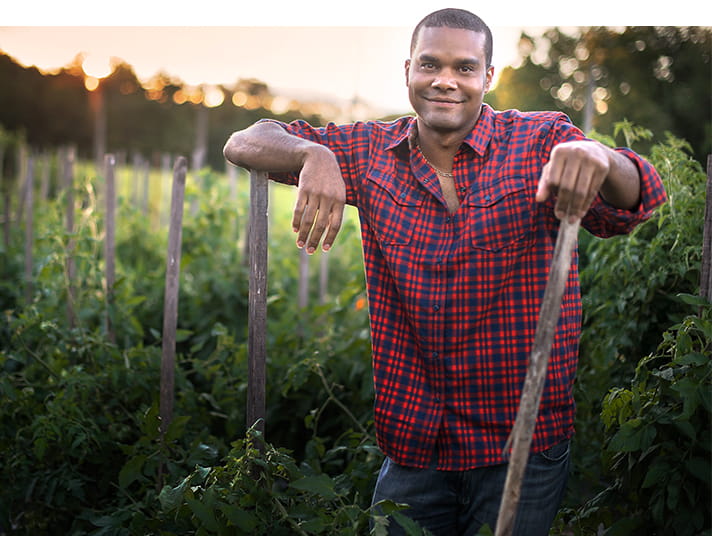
x=660 y=77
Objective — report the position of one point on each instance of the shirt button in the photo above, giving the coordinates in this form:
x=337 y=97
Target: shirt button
x=435 y=354
x=436 y=307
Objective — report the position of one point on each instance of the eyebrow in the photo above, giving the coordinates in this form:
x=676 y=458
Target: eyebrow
x=462 y=61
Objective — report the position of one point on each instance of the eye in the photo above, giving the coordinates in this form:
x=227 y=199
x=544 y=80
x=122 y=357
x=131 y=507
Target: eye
x=427 y=66
x=467 y=69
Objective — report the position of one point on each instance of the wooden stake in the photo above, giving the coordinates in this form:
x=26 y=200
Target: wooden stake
x=70 y=265
x=5 y=183
x=323 y=277
x=303 y=286
x=521 y=437
x=706 y=270
x=170 y=304
x=29 y=222
x=110 y=242
x=257 y=323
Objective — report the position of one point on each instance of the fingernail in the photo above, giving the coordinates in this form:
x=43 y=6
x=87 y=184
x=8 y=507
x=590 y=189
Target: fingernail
x=326 y=247
x=310 y=250
x=300 y=244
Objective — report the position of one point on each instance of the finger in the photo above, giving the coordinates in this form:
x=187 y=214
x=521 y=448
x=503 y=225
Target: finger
x=322 y=220
x=544 y=189
x=306 y=223
x=299 y=207
x=336 y=216
x=566 y=199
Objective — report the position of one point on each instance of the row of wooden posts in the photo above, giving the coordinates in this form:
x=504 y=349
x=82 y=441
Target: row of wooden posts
x=34 y=165
x=255 y=255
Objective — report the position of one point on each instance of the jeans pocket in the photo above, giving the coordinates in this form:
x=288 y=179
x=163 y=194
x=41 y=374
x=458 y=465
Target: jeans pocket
x=557 y=453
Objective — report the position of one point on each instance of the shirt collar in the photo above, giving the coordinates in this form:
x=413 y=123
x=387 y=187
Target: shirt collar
x=478 y=139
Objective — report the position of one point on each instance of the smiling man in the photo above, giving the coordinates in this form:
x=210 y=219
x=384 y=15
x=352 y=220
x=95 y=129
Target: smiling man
x=459 y=210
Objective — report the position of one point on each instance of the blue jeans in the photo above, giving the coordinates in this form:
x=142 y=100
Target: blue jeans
x=453 y=503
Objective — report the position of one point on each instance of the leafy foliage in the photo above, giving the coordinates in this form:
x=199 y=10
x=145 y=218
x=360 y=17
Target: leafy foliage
x=80 y=447
x=658 y=446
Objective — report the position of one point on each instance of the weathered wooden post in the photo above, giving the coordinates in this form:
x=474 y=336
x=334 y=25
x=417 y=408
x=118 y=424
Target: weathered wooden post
x=29 y=231
x=303 y=285
x=70 y=266
x=45 y=176
x=146 y=184
x=706 y=270
x=323 y=277
x=170 y=303
x=110 y=241
x=257 y=322
x=5 y=190
x=162 y=218
x=521 y=436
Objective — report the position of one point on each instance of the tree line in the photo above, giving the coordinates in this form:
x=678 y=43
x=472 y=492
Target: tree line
x=660 y=77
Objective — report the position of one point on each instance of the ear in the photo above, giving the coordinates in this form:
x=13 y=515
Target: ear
x=489 y=75
x=407 y=69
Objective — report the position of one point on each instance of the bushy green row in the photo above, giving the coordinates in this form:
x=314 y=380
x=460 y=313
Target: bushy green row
x=80 y=448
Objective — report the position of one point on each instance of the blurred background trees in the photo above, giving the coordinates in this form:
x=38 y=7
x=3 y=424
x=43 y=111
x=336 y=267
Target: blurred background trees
x=659 y=77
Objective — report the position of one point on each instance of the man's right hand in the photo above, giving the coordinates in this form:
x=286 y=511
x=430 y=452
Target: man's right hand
x=321 y=197
x=321 y=194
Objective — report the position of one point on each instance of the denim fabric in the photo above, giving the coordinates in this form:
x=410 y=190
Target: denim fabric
x=451 y=503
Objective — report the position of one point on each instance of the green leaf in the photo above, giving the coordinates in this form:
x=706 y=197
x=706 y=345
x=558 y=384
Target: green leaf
x=183 y=334
x=131 y=471
x=691 y=299
x=171 y=498
x=203 y=513
x=411 y=527
x=693 y=358
x=177 y=427
x=700 y=468
x=242 y=519
x=320 y=485
x=628 y=437
x=655 y=474
x=313 y=526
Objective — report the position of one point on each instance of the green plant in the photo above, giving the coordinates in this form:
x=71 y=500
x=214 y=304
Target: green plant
x=629 y=286
x=658 y=443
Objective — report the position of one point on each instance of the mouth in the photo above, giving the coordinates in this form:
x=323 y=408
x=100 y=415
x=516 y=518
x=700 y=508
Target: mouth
x=442 y=101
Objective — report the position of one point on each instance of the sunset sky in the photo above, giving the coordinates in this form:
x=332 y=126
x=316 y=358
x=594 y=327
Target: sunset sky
x=314 y=46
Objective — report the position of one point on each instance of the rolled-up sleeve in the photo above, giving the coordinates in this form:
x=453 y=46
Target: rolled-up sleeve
x=605 y=220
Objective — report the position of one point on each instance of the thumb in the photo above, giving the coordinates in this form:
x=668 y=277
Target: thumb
x=543 y=188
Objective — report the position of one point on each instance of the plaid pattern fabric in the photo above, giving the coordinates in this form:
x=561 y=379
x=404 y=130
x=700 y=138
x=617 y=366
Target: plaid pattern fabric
x=454 y=298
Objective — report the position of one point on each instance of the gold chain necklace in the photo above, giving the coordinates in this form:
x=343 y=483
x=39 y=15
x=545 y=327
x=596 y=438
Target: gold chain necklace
x=446 y=174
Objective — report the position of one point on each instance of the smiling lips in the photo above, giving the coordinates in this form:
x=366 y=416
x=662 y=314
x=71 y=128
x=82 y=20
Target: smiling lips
x=442 y=101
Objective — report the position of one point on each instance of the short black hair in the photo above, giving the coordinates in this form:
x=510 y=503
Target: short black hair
x=455 y=18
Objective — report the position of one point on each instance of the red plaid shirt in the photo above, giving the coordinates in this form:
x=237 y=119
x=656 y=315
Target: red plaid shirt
x=454 y=298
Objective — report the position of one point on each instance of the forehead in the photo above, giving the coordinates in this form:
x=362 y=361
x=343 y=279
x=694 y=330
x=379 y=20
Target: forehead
x=439 y=41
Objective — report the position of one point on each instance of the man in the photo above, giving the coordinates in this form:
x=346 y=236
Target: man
x=459 y=210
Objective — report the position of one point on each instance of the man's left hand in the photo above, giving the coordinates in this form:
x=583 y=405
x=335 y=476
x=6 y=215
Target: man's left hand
x=575 y=172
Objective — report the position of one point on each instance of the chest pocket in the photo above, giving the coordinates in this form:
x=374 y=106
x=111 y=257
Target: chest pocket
x=499 y=215
x=392 y=207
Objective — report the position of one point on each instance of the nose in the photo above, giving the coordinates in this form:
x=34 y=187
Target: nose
x=445 y=79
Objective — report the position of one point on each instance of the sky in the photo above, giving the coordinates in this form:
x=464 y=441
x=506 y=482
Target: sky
x=328 y=48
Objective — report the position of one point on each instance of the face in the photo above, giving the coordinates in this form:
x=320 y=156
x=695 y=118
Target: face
x=447 y=78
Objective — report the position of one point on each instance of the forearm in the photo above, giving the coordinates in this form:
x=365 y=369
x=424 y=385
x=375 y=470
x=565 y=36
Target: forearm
x=268 y=147
x=621 y=188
